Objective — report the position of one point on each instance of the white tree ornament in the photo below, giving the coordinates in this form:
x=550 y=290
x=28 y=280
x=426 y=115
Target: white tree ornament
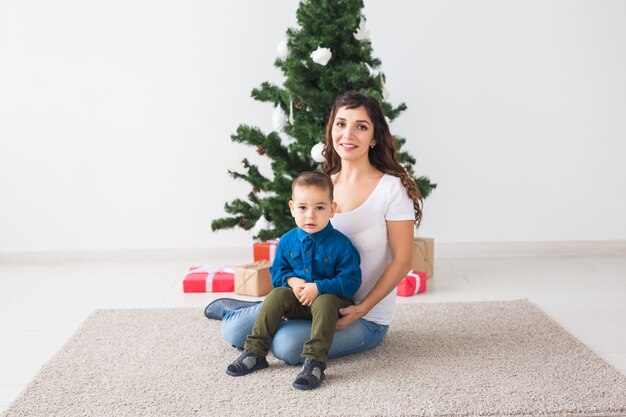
x=288 y=140
x=282 y=49
x=317 y=152
x=279 y=119
x=362 y=33
x=321 y=55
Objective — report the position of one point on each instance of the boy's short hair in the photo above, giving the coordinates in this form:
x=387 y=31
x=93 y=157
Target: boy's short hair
x=314 y=179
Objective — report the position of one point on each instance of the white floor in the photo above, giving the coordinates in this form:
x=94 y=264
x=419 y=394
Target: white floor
x=43 y=303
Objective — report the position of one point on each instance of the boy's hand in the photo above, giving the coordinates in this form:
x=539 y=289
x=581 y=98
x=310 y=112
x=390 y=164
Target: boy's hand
x=297 y=284
x=308 y=294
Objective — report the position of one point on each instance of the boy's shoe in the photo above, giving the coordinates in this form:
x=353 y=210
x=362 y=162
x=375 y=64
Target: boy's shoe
x=218 y=308
x=246 y=362
x=311 y=375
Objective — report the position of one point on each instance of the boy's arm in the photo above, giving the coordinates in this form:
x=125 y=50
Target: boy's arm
x=281 y=270
x=347 y=279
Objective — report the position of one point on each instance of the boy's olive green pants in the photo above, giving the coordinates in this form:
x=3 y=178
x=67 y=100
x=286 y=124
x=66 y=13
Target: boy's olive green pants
x=282 y=302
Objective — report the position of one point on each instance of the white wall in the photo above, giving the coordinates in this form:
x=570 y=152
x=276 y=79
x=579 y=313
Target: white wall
x=115 y=116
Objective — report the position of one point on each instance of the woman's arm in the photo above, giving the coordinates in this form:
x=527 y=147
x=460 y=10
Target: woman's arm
x=400 y=234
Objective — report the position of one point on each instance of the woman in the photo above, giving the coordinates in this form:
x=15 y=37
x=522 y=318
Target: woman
x=378 y=204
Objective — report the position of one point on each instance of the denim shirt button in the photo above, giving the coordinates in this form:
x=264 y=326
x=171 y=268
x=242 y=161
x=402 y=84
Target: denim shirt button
x=306 y=270
x=307 y=251
x=325 y=259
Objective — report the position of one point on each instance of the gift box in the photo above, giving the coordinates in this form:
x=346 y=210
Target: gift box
x=423 y=255
x=265 y=250
x=413 y=283
x=253 y=279
x=209 y=278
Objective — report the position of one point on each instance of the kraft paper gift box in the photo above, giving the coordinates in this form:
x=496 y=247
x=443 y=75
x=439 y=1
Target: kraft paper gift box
x=253 y=279
x=413 y=283
x=264 y=250
x=423 y=255
x=209 y=278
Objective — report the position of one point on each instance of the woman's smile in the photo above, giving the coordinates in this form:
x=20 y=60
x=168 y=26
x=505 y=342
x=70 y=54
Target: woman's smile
x=347 y=146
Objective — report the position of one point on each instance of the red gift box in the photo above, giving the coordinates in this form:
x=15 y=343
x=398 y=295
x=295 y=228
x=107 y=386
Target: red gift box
x=265 y=250
x=209 y=278
x=413 y=283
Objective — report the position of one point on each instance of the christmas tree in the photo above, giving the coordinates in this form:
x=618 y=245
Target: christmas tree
x=329 y=54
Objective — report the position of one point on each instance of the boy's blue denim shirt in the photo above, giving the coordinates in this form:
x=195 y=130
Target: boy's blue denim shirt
x=327 y=258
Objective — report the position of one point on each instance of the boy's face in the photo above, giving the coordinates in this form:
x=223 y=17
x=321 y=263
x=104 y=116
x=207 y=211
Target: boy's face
x=311 y=208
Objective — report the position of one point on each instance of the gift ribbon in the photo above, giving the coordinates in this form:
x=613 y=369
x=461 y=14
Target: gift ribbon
x=418 y=280
x=273 y=246
x=211 y=271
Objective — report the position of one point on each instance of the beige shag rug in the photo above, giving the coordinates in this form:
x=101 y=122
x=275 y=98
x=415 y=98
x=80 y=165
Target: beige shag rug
x=452 y=359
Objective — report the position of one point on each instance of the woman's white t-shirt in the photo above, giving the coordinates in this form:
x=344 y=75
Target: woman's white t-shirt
x=367 y=229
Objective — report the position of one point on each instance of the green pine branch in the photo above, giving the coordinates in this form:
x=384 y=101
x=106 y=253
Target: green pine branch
x=308 y=92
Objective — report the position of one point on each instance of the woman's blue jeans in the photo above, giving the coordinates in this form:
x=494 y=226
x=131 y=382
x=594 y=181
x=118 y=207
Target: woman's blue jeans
x=291 y=335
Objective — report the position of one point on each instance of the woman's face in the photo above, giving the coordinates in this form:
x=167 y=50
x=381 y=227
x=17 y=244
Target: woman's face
x=353 y=133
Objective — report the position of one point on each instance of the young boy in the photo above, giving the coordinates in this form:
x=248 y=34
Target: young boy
x=315 y=273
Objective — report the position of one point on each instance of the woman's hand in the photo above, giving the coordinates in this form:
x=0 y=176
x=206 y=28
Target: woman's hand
x=308 y=294
x=349 y=315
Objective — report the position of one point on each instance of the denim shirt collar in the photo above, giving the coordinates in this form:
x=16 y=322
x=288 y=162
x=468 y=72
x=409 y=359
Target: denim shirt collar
x=317 y=237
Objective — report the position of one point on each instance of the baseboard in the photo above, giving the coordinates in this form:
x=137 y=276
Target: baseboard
x=515 y=249
x=193 y=255
x=442 y=250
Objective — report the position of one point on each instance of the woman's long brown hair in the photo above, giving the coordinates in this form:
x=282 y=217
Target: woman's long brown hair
x=384 y=156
